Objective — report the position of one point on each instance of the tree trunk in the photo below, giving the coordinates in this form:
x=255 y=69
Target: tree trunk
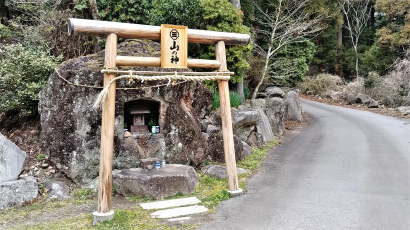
x=239 y=84
x=265 y=70
x=236 y=3
x=339 y=45
x=94 y=9
x=240 y=90
x=4 y=12
x=357 y=61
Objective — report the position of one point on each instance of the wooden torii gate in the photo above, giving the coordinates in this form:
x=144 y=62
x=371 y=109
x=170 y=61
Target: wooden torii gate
x=113 y=30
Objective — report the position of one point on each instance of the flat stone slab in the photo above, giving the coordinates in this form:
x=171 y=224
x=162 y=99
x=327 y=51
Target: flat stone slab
x=169 y=180
x=219 y=171
x=176 y=212
x=170 y=203
x=18 y=192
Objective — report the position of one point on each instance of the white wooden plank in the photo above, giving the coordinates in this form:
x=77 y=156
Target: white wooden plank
x=170 y=203
x=176 y=212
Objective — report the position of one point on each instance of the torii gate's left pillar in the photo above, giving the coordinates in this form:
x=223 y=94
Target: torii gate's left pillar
x=104 y=211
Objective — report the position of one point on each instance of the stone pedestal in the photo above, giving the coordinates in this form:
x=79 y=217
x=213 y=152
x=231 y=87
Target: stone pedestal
x=99 y=217
x=167 y=181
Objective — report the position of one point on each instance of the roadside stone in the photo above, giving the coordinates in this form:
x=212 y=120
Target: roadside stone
x=350 y=98
x=11 y=160
x=57 y=190
x=373 y=104
x=334 y=95
x=274 y=92
x=18 y=192
x=293 y=106
x=259 y=103
x=363 y=99
x=275 y=110
x=247 y=150
x=242 y=118
x=404 y=110
x=167 y=181
x=219 y=171
x=263 y=127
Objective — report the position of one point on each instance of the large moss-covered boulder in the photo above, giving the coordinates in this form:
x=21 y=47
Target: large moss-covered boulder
x=71 y=127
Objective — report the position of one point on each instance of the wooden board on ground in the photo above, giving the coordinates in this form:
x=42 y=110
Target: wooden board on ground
x=170 y=203
x=176 y=212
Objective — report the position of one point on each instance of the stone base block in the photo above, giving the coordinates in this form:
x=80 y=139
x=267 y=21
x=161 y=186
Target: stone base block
x=156 y=183
x=99 y=217
x=235 y=193
x=18 y=192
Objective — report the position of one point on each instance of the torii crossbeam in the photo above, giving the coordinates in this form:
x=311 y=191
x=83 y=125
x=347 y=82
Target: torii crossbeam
x=113 y=30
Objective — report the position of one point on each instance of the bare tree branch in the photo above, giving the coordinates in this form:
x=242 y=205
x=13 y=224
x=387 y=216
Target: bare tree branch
x=357 y=14
x=286 y=24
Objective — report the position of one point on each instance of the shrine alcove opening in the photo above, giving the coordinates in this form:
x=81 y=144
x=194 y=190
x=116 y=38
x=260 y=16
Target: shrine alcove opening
x=142 y=116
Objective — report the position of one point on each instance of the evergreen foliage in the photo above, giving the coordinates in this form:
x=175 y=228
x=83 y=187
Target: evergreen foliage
x=23 y=72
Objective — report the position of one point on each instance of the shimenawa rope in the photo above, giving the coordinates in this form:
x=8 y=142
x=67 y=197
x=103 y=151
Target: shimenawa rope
x=103 y=94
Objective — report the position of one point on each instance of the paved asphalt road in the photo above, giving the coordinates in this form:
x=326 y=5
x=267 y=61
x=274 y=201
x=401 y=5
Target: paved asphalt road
x=349 y=169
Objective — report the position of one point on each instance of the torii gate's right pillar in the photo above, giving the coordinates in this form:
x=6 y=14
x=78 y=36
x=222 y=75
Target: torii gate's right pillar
x=226 y=117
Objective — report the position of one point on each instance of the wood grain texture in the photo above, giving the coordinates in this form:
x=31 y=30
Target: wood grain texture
x=128 y=30
x=107 y=130
x=156 y=62
x=226 y=118
x=167 y=42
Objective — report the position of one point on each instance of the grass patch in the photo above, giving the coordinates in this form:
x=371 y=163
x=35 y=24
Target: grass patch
x=254 y=160
x=210 y=190
x=83 y=194
x=135 y=219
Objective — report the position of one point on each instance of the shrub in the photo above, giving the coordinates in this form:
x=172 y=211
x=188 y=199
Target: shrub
x=133 y=11
x=235 y=100
x=320 y=83
x=23 y=72
x=394 y=89
x=291 y=64
x=182 y=12
x=42 y=25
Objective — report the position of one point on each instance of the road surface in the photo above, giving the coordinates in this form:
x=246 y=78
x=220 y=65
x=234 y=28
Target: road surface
x=348 y=169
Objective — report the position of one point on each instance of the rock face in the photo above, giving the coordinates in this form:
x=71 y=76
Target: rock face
x=275 y=110
x=71 y=128
x=293 y=106
x=18 y=192
x=219 y=171
x=373 y=104
x=156 y=183
x=363 y=99
x=11 y=160
x=274 y=92
x=57 y=190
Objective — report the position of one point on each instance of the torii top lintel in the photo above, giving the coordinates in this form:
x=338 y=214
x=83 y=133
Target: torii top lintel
x=129 y=30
